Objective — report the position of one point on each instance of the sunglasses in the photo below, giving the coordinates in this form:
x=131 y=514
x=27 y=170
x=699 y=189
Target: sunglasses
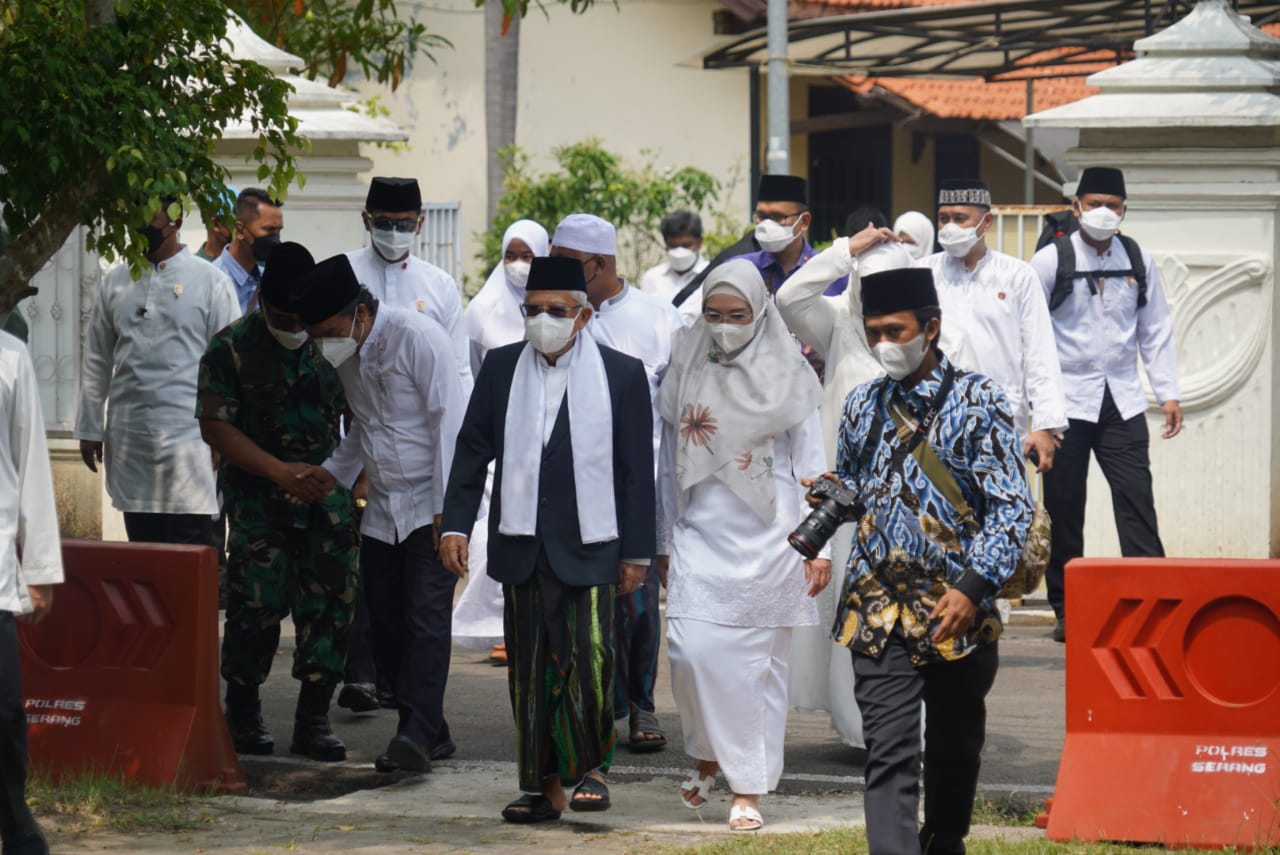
x=388 y=224
x=529 y=311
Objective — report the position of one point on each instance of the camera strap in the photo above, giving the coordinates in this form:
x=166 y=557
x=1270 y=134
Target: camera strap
x=910 y=437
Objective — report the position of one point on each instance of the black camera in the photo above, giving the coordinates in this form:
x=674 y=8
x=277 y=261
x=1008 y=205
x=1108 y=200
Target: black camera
x=839 y=506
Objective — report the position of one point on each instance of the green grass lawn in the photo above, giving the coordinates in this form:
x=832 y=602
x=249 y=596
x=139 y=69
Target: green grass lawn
x=94 y=802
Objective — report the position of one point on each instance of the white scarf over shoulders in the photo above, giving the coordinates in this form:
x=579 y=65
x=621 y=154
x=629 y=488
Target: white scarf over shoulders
x=533 y=404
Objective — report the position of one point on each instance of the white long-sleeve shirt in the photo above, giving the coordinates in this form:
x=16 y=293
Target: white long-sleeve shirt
x=1100 y=336
x=665 y=283
x=419 y=286
x=832 y=326
x=403 y=389
x=640 y=325
x=1000 y=309
x=28 y=514
x=142 y=362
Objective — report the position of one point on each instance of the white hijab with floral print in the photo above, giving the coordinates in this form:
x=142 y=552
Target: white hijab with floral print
x=727 y=408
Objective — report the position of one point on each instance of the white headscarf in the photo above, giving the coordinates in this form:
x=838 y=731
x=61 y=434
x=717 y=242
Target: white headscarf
x=727 y=409
x=920 y=229
x=493 y=316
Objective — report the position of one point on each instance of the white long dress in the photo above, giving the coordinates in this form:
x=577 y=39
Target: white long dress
x=736 y=591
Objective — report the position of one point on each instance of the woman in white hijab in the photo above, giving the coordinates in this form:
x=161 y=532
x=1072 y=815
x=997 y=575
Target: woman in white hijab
x=915 y=230
x=740 y=411
x=493 y=319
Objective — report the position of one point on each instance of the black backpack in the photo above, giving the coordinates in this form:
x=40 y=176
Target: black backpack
x=1057 y=230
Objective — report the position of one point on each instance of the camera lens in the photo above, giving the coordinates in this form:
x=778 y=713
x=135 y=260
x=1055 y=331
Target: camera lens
x=816 y=529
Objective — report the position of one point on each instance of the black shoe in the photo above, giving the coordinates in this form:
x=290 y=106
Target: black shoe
x=443 y=749
x=249 y=734
x=1060 y=631
x=312 y=737
x=403 y=754
x=387 y=699
x=358 y=697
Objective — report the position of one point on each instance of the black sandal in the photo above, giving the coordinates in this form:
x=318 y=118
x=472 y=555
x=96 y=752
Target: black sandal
x=530 y=808
x=645 y=722
x=590 y=787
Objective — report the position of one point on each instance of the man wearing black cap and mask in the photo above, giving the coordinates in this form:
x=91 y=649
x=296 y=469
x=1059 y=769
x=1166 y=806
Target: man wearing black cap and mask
x=271 y=406
x=569 y=424
x=396 y=277
x=1108 y=307
x=255 y=236
x=932 y=455
x=398 y=370
x=992 y=300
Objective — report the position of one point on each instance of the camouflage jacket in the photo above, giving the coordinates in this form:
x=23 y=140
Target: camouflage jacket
x=289 y=402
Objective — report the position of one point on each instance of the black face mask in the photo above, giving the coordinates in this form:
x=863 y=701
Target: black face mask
x=265 y=245
x=155 y=237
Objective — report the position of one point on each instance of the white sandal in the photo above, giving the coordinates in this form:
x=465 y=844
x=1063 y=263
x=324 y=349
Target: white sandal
x=748 y=813
x=700 y=787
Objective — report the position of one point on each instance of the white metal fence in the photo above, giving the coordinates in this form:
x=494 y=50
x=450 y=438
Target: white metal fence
x=1017 y=227
x=440 y=241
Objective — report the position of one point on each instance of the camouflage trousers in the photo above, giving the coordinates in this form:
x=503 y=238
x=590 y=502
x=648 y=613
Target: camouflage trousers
x=269 y=567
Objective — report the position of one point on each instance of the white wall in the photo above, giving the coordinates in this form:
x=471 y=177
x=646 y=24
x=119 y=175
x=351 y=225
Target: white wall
x=611 y=73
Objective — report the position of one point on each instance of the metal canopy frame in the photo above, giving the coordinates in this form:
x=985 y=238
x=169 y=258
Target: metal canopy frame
x=992 y=39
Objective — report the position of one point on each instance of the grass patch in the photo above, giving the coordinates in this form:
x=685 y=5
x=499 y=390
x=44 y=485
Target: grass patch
x=95 y=802
x=847 y=841
x=1018 y=811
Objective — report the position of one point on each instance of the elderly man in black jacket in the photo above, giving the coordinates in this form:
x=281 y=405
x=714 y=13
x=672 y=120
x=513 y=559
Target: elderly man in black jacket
x=571 y=523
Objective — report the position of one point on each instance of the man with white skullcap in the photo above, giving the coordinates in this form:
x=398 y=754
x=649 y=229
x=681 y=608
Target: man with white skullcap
x=640 y=325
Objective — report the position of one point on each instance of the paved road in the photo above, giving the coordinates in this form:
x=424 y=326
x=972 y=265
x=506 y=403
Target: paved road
x=1025 y=731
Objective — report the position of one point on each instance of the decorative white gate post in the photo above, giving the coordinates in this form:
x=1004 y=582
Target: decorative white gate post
x=1194 y=122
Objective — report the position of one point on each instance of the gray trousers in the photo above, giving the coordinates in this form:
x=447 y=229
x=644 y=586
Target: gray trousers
x=889 y=691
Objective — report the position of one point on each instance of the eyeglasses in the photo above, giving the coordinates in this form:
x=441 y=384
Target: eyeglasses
x=780 y=219
x=713 y=317
x=389 y=224
x=529 y=311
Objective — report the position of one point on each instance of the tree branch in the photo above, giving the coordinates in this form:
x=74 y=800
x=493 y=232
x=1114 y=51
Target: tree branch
x=31 y=250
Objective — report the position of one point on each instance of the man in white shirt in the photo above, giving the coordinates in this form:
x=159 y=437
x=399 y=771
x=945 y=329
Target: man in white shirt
x=28 y=524
x=388 y=268
x=398 y=372
x=682 y=234
x=995 y=303
x=639 y=325
x=259 y=222
x=1108 y=307
x=141 y=363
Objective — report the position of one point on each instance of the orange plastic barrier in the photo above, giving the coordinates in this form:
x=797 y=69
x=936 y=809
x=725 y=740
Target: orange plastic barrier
x=122 y=677
x=1173 y=704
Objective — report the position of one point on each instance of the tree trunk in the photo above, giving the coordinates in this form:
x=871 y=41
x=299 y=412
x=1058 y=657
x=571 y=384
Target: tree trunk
x=100 y=13
x=501 y=88
x=31 y=250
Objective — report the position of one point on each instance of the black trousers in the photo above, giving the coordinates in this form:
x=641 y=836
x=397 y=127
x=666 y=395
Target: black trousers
x=169 y=528
x=889 y=691
x=360 y=664
x=1121 y=446
x=19 y=833
x=410 y=599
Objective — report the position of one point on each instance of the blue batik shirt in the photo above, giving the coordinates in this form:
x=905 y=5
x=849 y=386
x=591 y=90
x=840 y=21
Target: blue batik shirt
x=910 y=545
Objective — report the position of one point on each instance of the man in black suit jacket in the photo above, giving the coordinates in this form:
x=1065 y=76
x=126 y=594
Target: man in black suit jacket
x=571 y=523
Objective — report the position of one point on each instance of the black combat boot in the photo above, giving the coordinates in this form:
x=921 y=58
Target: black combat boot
x=312 y=735
x=244 y=720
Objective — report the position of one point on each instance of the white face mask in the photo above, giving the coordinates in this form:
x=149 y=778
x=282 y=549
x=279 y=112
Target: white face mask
x=391 y=244
x=774 y=237
x=956 y=240
x=900 y=360
x=517 y=272
x=1100 y=223
x=729 y=338
x=548 y=334
x=338 y=349
x=288 y=340
x=681 y=258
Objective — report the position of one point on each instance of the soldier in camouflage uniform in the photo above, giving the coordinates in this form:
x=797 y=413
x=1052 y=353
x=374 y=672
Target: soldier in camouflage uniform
x=271 y=406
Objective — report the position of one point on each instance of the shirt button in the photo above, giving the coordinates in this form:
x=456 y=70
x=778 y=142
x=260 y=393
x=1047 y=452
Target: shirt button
x=542 y=502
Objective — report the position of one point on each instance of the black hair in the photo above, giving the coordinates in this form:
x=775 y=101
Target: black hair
x=248 y=201
x=364 y=298
x=679 y=223
x=923 y=315
x=863 y=217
